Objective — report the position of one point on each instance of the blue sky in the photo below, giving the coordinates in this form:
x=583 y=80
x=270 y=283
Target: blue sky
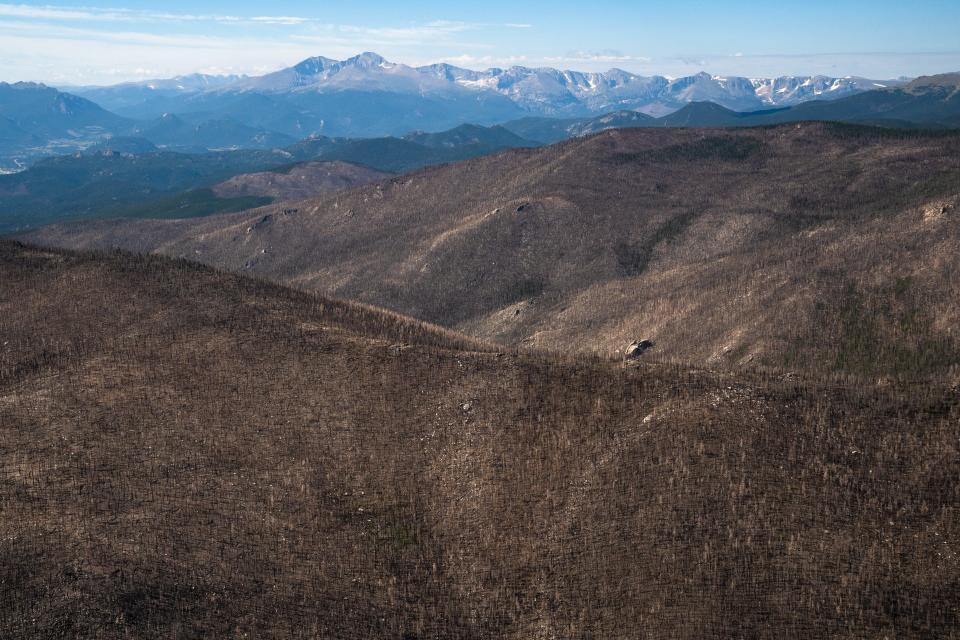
x=102 y=42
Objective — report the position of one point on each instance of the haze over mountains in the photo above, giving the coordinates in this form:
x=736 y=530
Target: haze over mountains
x=123 y=176
x=118 y=162
x=36 y=121
x=363 y=96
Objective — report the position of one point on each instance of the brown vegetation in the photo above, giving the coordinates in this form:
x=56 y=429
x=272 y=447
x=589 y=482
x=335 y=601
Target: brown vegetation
x=189 y=453
x=829 y=248
x=298 y=182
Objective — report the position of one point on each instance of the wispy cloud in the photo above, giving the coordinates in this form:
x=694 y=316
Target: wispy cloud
x=593 y=60
x=473 y=61
x=94 y=14
x=418 y=33
x=103 y=37
x=428 y=35
x=285 y=20
x=26 y=11
x=606 y=55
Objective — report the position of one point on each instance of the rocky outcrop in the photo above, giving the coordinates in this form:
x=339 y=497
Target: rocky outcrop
x=637 y=348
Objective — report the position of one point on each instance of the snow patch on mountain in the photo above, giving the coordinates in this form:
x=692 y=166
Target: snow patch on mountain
x=543 y=90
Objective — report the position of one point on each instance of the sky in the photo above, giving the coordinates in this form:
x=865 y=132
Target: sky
x=91 y=42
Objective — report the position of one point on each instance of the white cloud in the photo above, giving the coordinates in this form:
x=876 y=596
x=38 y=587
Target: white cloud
x=471 y=61
x=285 y=20
x=92 y=14
x=599 y=56
x=430 y=32
x=60 y=13
x=134 y=15
x=100 y=38
x=428 y=35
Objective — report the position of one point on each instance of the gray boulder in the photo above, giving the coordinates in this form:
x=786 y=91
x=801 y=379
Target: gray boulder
x=637 y=348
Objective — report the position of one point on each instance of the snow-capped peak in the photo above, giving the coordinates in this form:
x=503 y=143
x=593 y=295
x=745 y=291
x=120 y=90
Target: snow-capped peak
x=551 y=91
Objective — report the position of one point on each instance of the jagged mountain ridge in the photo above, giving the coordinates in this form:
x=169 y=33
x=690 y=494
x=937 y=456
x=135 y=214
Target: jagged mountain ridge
x=547 y=90
x=929 y=102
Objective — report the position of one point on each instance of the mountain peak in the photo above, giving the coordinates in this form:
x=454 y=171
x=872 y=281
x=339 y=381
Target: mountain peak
x=366 y=60
x=314 y=65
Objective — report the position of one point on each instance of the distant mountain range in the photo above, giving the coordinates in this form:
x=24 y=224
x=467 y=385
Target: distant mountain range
x=541 y=91
x=931 y=102
x=163 y=168
x=37 y=120
x=129 y=95
x=368 y=97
